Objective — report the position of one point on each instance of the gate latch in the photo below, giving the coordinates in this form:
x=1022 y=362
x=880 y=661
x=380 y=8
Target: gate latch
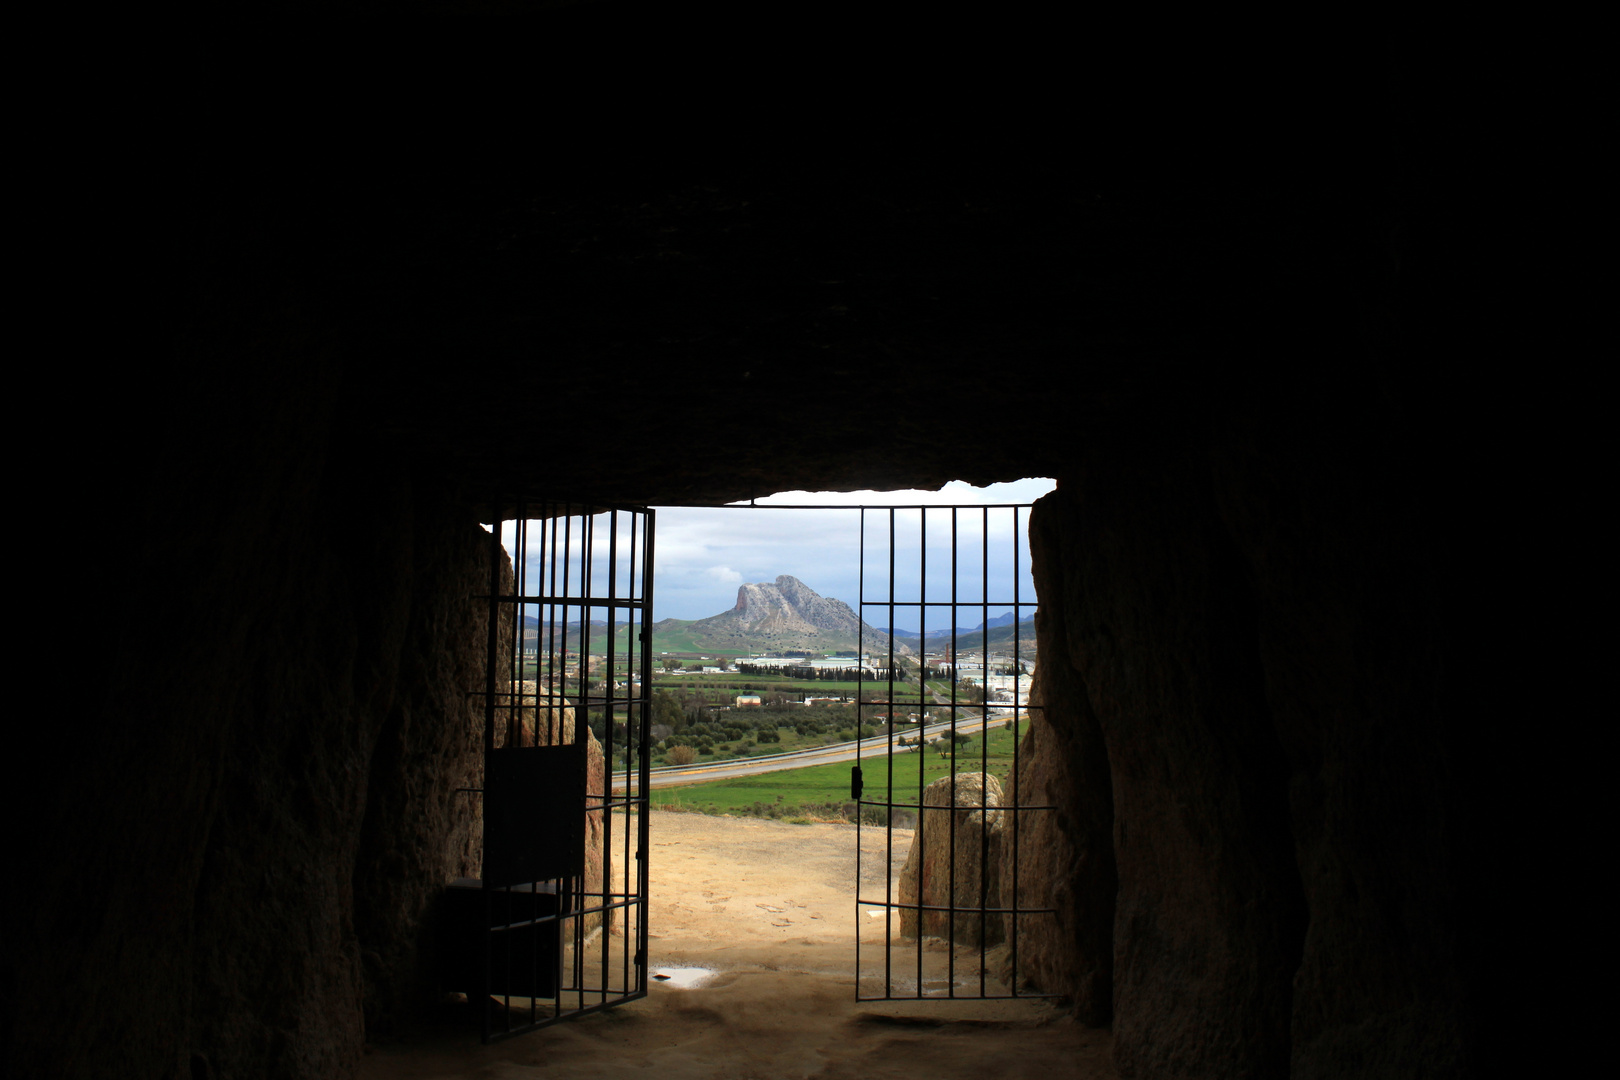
x=855 y=782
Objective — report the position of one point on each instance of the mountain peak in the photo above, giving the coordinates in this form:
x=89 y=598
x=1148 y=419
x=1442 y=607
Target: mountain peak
x=788 y=614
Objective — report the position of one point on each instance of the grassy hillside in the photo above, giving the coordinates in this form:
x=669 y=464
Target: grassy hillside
x=677 y=636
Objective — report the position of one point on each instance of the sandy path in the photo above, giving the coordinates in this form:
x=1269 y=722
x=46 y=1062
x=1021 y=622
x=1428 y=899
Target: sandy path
x=770 y=909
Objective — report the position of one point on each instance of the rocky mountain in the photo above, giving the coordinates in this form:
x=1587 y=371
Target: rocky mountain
x=784 y=614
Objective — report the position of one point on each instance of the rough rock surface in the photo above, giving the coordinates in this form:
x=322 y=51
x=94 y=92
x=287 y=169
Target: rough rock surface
x=285 y=734
x=1065 y=856
x=1348 y=632
x=421 y=828
x=1209 y=915
x=956 y=859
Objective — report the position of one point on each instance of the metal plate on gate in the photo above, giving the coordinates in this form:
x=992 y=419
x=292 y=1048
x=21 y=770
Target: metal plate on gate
x=534 y=827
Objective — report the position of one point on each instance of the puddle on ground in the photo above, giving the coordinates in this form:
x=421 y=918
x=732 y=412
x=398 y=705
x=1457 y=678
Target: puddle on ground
x=687 y=978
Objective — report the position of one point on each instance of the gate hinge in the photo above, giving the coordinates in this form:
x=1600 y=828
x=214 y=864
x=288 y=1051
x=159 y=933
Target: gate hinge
x=855 y=782
x=641 y=958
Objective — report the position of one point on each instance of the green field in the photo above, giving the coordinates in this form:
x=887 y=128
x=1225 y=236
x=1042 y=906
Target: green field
x=825 y=786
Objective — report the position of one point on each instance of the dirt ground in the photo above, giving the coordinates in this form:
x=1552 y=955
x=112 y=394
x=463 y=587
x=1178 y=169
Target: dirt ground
x=767 y=911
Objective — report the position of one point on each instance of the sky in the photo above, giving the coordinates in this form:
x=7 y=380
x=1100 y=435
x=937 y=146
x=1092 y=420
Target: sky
x=703 y=554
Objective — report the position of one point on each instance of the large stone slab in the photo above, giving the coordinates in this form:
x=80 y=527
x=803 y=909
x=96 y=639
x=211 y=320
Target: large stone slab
x=955 y=860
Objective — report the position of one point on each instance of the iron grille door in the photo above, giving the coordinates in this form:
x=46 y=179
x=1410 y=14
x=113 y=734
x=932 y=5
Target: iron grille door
x=941 y=917
x=561 y=904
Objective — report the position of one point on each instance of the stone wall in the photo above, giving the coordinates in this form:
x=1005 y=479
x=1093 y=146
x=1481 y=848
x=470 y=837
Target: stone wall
x=1065 y=856
x=231 y=873
x=1335 y=526
x=1245 y=637
x=1208 y=914
x=420 y=829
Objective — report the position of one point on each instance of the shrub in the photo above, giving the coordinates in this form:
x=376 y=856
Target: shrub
x=681 y=755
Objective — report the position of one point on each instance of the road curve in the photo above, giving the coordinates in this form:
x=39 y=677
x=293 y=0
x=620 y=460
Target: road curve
x=676 y=775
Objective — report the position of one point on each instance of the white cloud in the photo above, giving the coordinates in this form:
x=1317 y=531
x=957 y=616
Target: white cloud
x=954 y=493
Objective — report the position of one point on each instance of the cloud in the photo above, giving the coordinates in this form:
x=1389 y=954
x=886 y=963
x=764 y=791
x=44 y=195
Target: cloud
x=954 y=493
x=724 y=574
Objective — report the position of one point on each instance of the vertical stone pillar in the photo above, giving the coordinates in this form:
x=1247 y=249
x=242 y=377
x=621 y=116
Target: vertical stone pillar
x=1159 y=623
x=1065 y=856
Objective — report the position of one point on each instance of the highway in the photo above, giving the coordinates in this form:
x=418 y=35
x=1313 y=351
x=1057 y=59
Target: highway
x=674 y=775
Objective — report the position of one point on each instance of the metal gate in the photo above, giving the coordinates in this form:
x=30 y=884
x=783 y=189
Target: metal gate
x=942 y=916
x=556 y=926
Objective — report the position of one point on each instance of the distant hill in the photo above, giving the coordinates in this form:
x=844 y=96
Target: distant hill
x=565 y=636
x=772 y=617
x=1000 y=639
x=1000 y=621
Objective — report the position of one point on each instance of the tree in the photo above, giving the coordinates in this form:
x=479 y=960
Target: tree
x=667 y=710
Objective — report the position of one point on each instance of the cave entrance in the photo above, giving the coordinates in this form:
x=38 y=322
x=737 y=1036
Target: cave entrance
x=556 y=926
